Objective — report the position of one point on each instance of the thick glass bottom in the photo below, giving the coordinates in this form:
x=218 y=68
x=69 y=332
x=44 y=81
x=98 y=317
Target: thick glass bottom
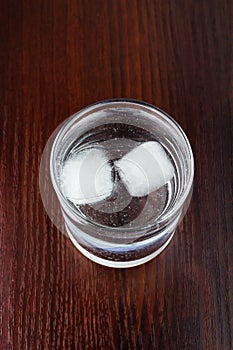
x=118 y=264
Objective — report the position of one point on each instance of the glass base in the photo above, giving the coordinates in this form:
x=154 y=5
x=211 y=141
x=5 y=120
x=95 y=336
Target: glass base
x=118 y=264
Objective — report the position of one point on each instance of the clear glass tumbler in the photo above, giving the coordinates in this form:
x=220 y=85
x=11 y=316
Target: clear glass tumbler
x=123 y=173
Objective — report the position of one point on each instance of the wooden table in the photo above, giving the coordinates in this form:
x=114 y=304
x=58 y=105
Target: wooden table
x=58 y=56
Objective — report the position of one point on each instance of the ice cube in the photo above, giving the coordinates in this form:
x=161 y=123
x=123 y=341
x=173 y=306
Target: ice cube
x=145 y=169
x=86 y=177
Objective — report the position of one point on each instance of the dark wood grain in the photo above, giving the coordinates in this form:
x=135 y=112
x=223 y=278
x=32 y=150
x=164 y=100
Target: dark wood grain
x=58 y=56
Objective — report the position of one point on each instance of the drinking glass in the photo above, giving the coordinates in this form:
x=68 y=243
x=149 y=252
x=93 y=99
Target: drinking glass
x=130 y=221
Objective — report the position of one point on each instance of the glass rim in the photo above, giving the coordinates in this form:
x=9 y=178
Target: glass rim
x=150 y=108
